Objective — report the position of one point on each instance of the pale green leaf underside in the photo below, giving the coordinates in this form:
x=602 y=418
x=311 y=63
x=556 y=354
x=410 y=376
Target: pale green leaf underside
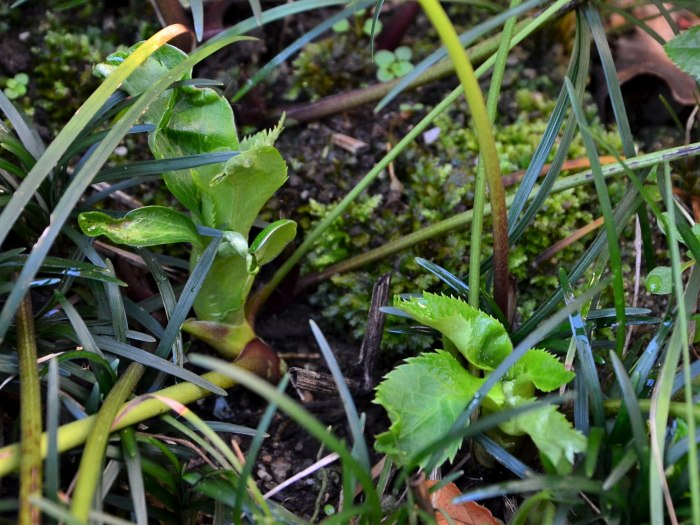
x=270 y=242
x=480 y=338
x=552 y=434
x=148 y=226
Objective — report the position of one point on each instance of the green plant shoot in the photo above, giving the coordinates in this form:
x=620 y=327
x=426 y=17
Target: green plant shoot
x=225 y=196
x=425 y=396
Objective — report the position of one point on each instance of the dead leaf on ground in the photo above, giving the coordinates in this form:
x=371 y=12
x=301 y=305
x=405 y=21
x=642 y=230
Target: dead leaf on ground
x=468 y=513
x=640 y=54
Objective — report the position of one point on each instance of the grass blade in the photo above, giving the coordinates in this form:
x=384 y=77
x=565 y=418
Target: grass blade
x=359 y=444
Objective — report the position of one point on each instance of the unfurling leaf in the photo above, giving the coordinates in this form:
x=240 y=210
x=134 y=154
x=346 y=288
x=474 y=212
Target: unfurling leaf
x=249 y=180
x=148 y=226
x=271 y=241
x=478 y=336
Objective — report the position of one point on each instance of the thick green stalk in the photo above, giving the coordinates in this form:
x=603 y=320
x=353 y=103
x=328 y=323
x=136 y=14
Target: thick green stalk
x=480 y=190
x=260 y=361
x=30 y=415
x=92 y=459
x=675 y=408
x=487 y=146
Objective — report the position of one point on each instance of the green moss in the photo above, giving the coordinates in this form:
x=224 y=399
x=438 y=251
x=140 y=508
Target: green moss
x=439 y=182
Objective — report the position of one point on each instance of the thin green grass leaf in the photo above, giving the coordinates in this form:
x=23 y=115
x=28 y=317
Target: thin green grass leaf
x=570 y=484
x=504 y=457
x=116 y=307
x=187 y=297
x=255 y=445
x=149 y=360
x=137 y=488
x=167 y=295
x=360 y=450
x=100 y=368
x=136 y=170
x=646 y=362
x=71 y=267
x=283 y=55
x=589 y=381
x=375 y=19
x=680 y=449
x=606 y=208
x=620 y=470
x=679 y=380
x=197 y=8
x=138 y=314
x=231 y=428
x=309 y=423
x=27 y=134
x=486 y=302
x=52 y=465
x=613 y=84
x=682 y=328
x=466 y=39
x=211 y=450
x=633 y=413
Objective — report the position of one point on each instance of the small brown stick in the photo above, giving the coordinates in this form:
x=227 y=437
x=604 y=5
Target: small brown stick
x=374 y=331
x=303 y=379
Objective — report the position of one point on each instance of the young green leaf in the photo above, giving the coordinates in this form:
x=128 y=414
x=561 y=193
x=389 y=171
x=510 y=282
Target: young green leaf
x=552 y=433
x=271 y=241
x=543 y=369
x=478 y=336
x=147 y=226
x=265 y=137
x=660 y=281
x=684 y=50
x=423 y=399
x=249 y=180
x=152 y=70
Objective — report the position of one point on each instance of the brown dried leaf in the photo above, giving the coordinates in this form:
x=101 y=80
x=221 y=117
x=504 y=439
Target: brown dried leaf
x=640 y=54
x=468 y=513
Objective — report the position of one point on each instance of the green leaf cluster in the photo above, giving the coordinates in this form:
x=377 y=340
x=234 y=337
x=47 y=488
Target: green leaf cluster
x=16 y=86
x=425 y=396
x=393 y=64
x=226 y=196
